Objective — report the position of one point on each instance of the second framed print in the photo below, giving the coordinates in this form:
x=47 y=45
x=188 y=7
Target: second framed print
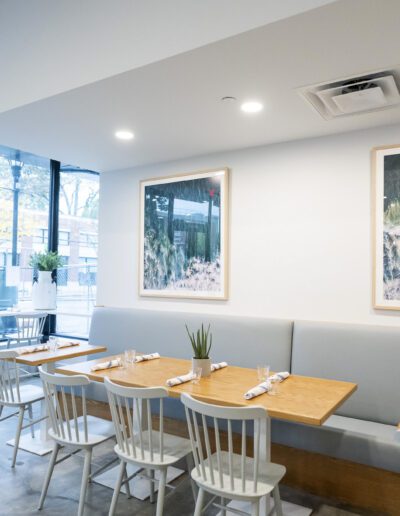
x=184 y=236
x=386 y=227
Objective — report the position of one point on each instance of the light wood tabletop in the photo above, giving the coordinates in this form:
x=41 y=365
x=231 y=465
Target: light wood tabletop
x=300 y=398
x=45 y=357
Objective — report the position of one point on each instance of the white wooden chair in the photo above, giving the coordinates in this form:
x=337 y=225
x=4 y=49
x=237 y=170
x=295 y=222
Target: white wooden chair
x=29 y=329
x=138 y=443
x=226 y=474
x=16 y=395
x=77 y=432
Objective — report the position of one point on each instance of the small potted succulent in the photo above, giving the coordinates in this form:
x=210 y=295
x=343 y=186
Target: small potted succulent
x=201 y=343
x=44 y=285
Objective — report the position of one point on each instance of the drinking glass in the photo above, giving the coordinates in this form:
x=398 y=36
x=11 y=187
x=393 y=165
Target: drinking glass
x=196 y=374
x=273 y=389
x=262 y=372
x=53 y=344
x=130 y=356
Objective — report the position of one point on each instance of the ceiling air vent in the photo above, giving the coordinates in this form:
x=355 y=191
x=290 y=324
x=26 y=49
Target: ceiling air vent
x=354 y=95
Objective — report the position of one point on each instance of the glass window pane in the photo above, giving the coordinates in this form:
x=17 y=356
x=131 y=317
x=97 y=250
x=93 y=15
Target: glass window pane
x=24 y=214
x=77 y=244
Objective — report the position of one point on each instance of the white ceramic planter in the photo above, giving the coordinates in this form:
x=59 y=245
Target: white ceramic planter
x=204 y=363
x=44 y=292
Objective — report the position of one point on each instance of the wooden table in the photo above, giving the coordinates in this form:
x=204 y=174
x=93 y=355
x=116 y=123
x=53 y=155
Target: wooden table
x=42 y=445
x=300 y=399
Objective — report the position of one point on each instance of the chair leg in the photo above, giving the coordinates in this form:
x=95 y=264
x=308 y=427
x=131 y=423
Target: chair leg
x=49 y=474
x=85 y=481
x=255 y=508
x=161 y=492
x=117 y=488
x=150 y=473
x=199 y=502
x=277 y=502
x=30 y=411
x=127 y=486
x=18 y=434
x=1 y=409
x=223 y=511
x=190 y=466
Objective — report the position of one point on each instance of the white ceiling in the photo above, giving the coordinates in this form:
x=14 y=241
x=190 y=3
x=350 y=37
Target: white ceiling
x=173 y=104
x=48 y=46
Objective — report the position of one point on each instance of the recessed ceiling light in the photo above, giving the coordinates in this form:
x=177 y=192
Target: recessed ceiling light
x=124 y=135
x=251 y=107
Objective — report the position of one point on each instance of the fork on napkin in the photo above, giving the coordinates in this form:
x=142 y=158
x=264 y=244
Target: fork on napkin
x=263 y=387
x=117 y=362
x=150 y=356
x=190 y=376
x=33 y=349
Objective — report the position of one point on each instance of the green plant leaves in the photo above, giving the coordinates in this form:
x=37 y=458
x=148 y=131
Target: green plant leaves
x=46 y=261
x=201 y=342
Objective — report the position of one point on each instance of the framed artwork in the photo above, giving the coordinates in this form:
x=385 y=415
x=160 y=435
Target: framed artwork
x=386 y=227
x=184 y=236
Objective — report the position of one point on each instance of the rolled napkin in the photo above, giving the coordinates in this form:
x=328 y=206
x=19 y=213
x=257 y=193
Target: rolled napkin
x=67 y=344
x=265 y=386
x=219 y=365
x=279 y=377
x=33 y=349
x=180 y=379
x=190 y=376
x=150 y=356
x=398 y=427
x=107 y=365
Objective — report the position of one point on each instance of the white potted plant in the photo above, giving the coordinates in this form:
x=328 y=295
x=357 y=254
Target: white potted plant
x=201 y=343
x=44 y=284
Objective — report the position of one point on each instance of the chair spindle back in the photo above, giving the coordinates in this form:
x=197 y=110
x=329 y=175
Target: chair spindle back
x=132 y=416
x=69 y=422
x=9 y=377
x=223 y=468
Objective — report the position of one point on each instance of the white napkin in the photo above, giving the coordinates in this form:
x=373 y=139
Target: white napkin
x=219 y=365
x=107 y=365
x=180 y=379
x=67 y=344
x=189 y=376
x=265 y=386
x=150 y=356
x=33 y=349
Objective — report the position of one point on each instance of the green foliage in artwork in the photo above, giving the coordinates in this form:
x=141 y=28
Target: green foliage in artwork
x=163 y=262
x=201 y=342
x=392 y=214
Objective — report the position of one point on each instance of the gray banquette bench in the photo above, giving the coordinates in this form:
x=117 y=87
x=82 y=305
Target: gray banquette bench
x=363 y=430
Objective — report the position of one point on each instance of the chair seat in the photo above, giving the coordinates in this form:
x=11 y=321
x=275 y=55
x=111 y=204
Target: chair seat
x=269 y=476
x=175 y=448
x=29 y=393
x=99 y=430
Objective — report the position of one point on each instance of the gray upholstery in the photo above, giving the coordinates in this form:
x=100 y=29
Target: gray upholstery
x=242 y=341
x=363 y=430
x=366 y=355
x=364 y=442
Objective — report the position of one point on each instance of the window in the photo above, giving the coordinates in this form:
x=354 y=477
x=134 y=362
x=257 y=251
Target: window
x=24 y=229
x=24 y=215
x=78 y=210
x=63 y=238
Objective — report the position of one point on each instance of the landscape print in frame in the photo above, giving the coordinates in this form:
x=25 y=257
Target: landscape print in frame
x=184 y=236
x=386 y=227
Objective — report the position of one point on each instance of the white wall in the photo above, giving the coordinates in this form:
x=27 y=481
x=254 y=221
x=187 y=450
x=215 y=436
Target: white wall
x=300 y=237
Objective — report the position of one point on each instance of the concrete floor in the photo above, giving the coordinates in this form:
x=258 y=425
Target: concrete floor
x=20 y=487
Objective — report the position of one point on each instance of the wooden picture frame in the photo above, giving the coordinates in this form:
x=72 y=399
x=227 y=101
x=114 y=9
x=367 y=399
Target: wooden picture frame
x=385 y=165
x=183 y=247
